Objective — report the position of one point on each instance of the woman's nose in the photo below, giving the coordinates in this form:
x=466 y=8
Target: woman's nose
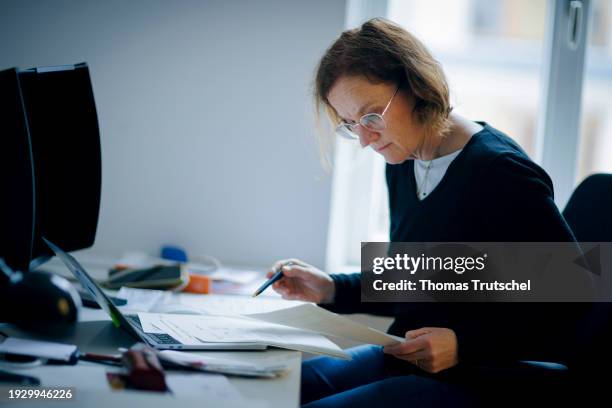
x=366 y=137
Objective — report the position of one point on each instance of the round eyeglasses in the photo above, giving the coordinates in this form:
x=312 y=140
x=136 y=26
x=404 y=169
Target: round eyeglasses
x=371 y=121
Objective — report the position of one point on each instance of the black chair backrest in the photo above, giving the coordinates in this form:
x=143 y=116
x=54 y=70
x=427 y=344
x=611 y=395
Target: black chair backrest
x=589 y=215
x=589 y=210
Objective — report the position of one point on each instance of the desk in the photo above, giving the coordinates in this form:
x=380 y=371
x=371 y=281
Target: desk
x=95 y=333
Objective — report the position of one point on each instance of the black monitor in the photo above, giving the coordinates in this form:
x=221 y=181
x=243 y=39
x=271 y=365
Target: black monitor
x=50 y=174
x=16 y=176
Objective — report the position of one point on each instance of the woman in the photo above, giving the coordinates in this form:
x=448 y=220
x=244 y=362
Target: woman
x=449 y=179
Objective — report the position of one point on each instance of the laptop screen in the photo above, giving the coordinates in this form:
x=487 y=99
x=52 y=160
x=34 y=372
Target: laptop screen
x=92 y=287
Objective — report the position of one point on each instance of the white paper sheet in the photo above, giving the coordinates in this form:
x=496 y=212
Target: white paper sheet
x=207 y=386
x=197 y=330
x=190 y=357
x=150 y=323
x=234 y=305
x=142 y=300
x=239 y=276
x=34 y=348
x=224 y=273
x=225 y=365
x=157 y=301
x=311 y=317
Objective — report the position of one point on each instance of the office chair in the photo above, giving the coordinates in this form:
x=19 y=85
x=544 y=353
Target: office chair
x=589 y=215
x=589 y=210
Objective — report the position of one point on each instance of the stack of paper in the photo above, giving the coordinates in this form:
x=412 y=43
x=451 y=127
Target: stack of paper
x=157 y=301
x=40 y=349
x=199 y=330
x=223 y=365
x=301 y=326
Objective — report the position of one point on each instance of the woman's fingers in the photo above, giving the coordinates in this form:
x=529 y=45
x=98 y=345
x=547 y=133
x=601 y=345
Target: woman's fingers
x=282 y=286
x=410 y=345
x=274 y=268
x=283 y=289
x=421 y=355
x=433 y=349
x=304 y=281
x=407 y=347
x=286 y=271
x=290 y=267
x=292 y=271
x=290 y=261
x=412 y=334
x=287 y=286
x=291 y=294
x=421 y=359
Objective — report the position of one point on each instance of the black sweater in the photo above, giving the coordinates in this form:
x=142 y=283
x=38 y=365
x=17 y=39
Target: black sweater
x=491 y=192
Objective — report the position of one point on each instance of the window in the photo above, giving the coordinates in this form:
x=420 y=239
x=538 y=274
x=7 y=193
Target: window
x=595 y=153
x=466 y=37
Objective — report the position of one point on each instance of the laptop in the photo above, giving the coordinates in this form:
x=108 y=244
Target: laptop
x=130 y=322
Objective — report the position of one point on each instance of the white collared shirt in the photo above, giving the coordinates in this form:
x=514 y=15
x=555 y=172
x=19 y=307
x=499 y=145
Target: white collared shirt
x=427 y=181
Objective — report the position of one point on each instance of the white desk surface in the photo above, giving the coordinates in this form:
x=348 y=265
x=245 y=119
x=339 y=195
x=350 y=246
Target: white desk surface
x=95 y=333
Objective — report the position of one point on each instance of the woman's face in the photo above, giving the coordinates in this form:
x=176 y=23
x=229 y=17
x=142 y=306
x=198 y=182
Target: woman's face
x=354 y=96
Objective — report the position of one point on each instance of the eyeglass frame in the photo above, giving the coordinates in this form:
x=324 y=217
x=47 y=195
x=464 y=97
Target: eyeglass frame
x=348 y=126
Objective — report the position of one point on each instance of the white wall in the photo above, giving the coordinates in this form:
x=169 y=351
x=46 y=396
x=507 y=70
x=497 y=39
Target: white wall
x=205 y=118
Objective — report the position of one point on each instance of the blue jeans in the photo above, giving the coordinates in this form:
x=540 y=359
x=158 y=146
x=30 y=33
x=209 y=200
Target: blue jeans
x=373 y=379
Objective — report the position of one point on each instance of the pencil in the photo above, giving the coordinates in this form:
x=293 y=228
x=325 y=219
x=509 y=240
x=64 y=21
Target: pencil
x=276 y=277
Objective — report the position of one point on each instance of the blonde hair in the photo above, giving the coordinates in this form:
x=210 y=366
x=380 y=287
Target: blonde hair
x=382 y=51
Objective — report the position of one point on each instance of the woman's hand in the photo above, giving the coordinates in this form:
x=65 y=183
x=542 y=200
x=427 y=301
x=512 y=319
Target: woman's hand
x=432 y=349
x=303 y=282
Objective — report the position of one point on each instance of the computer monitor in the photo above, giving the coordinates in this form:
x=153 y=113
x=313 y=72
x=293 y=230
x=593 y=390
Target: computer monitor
x=16 y=176
x=52 y=112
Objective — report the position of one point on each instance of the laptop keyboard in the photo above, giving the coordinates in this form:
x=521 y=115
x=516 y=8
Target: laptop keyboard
x=161 y=338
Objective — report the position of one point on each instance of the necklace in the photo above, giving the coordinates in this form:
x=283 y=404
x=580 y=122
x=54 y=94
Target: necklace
x=420 y=193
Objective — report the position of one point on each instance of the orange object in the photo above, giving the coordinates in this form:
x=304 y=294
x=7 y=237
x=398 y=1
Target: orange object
x=198 y=283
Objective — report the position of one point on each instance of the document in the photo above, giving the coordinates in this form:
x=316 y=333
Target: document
x=197 y=330
x=142 y=299
x=41 y=349
x=209 y=387
x=311 y=317
x=225 y=365
x=224 y=273
x=158 y=301
x=234 y=305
